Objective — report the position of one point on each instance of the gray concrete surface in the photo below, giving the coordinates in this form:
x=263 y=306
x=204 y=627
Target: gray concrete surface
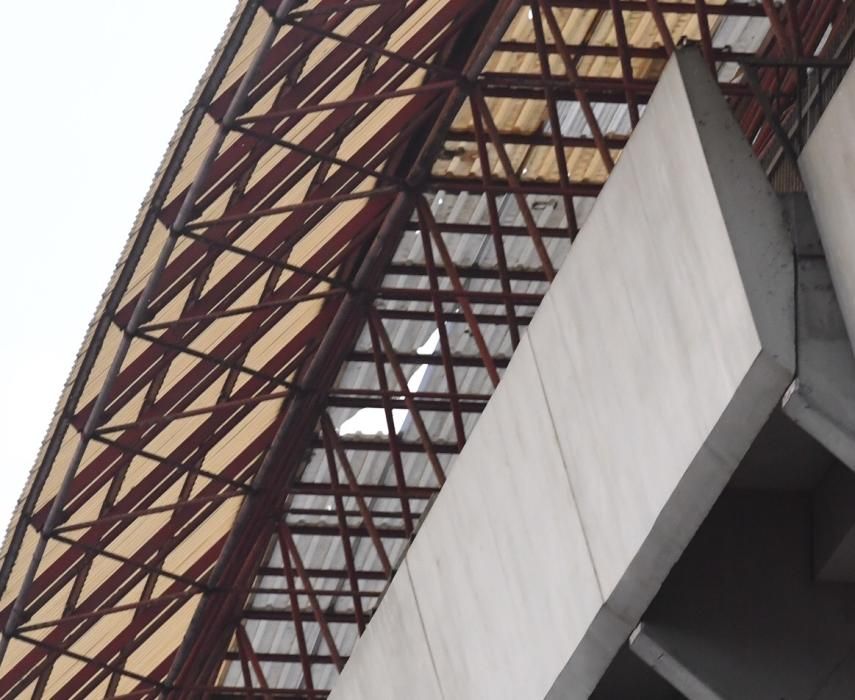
x=393 y=660
x=658 y=354
x=503 y=565
x=827 y=165
x=650 y=647
x=822 y=398
x=742 y=618
x=675 y=347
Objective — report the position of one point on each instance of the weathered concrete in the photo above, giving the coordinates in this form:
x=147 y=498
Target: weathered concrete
x=505 y=536
x=656 y=357
x=822 y=397
x=826 y=165
x=667 y=338
x=503 y=565
x=741 y=616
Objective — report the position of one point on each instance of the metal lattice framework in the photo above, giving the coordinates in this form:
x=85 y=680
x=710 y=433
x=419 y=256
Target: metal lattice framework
x=359 y=215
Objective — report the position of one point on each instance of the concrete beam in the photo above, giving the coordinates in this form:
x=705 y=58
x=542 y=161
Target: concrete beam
x=646 y=642
x=741 y=615
x=658 y=354
x=394 y=658
x=629 y=677
x=826 y=168
x=822 y=397
x=665 y=342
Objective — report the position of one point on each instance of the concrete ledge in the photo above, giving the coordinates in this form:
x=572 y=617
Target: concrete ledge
x=646 y=642
x=656 y=357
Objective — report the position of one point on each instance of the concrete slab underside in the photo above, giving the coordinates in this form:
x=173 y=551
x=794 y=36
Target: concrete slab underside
x=742 y=615
x=658 y=354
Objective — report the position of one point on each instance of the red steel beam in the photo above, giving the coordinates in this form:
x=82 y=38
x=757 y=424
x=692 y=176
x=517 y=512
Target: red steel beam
x=428 y=221
x=391 y=428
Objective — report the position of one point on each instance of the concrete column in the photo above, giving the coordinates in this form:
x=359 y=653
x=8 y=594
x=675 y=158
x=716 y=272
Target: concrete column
x=822 y=397
x=652 y=364
x=826 y=165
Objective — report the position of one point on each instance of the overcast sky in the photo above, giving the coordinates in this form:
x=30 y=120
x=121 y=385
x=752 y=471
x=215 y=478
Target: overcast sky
x=92 y=92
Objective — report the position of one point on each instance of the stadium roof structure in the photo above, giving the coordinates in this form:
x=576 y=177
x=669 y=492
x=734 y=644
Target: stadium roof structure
x=362 y=207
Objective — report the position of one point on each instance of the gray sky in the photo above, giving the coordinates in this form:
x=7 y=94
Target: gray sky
x=92 y=92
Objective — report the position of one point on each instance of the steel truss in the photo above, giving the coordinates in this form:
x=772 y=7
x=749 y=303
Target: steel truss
x=395 y=268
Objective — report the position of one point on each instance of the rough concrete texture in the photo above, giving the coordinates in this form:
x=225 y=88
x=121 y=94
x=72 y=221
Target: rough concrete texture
x=822 y=398
x=658 y=354
x=826 y=168
x=670 y=342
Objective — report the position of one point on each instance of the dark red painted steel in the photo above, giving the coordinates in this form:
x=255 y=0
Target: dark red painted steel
x=317 y=353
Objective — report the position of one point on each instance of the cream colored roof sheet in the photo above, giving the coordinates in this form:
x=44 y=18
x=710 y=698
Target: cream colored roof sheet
x=120 y=470
x=234 y=314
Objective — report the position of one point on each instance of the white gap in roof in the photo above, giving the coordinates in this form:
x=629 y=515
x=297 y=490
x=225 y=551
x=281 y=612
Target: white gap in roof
x=372 y=421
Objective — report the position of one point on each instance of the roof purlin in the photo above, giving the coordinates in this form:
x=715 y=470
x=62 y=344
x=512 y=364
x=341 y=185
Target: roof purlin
x=194 y=661
x=55 y=515
x=277 y=658
x=88 y=413
x=207 y=388
x=170 y=168
x=36 y=557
